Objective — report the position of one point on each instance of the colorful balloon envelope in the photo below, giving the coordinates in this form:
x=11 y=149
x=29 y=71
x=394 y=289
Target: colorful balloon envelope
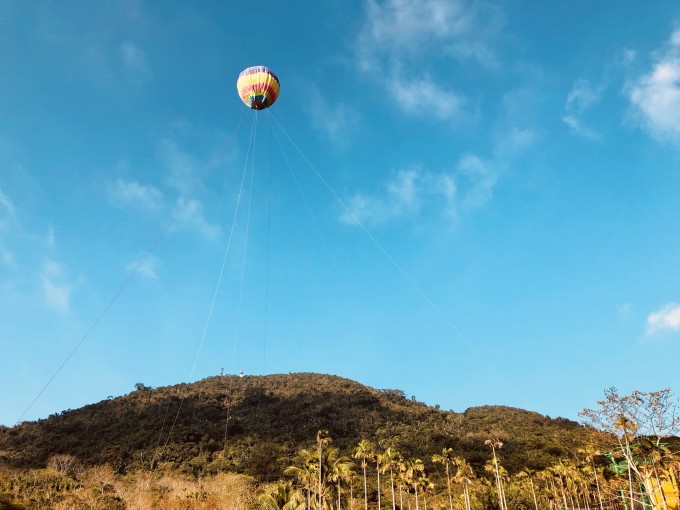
x=258 y=87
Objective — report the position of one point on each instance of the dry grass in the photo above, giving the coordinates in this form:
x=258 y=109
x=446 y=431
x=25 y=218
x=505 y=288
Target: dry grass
x=226 y=491
x=98 y=488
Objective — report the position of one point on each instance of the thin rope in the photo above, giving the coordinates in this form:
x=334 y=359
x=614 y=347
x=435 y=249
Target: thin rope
x=245 y=252
x=215 y=294
x=226 y=253
x=317 y=227
x=226 y=430
x=150 y=250
x=165 y=417
x=269 y=229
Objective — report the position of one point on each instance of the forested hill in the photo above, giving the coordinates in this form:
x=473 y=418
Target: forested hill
x=257 y=424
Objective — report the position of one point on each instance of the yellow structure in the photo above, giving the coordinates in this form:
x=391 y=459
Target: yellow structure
x=671 y=494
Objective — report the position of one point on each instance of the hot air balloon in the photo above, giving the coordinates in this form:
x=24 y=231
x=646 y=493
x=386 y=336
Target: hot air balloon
x=258 y=87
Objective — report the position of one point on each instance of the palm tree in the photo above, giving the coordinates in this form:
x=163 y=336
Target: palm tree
x=446 y=458
x=591 y=453
x=322 y=440
x=406 y=481
x=338 y=469
x=497 y=444
x=526 y=474
x=306 y=473
x=389 y=458
x=283 y=497
x=376 y=457
x=465 y=475
x=426 y=485
x=416 y=470
x=363 y=452
x=401 y=481
x=563 y=473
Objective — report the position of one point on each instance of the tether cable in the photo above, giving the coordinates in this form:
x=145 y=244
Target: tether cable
x=215 y=294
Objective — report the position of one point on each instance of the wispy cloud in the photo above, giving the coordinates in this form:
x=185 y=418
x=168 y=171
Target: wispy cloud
x=183 y=175
x=655 y=96
x=414 y=191
x=627 y=56
x=665 y=319
x=514 y=140
x=334 y=119
x=401 y=196
x=181 y=165
x=398 y=33
x=404 y=27
x=133 y=57
x=6 y=210
x=56 y=287
x=7 y=216
x=132 y=193
x=7 y=258
x=188 y=215
x=582 y=96
x=481 y=178
x=424 y=96
x=146 y=266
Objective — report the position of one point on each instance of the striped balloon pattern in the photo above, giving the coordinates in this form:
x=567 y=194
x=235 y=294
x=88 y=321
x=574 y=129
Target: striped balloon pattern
x=258 y=87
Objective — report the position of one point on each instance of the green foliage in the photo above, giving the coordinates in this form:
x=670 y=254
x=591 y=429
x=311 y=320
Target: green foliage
x=256 y=426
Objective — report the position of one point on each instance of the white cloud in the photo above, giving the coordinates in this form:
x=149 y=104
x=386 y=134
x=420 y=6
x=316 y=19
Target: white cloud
x=124 y=193
x=401 y=196
x=6 y=203
x=474 y=50
x=56 y=288
x=627 y=56
x=425 y=97
x=7 y=258
x=133 y=57
x=655 y=96
x=146 y=266
x=403 y=189
x=582 y=96
x=184 y=170
x=189 y=215
x=335 y=120
x=406 y=26
x=406 y=194
x=515 y=140
x=6 y=211
x=182 y=167
x=362 y=208
x=410 y=35
x=667 y=318
x=413 y=191
x=481 y=176
x=6 y=216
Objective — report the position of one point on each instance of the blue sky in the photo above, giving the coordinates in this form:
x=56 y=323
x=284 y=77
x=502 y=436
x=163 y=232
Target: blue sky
x=507 y=174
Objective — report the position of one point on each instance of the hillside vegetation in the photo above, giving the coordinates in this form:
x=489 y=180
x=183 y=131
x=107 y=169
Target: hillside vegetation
x=256 y=424
x=318 y=442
